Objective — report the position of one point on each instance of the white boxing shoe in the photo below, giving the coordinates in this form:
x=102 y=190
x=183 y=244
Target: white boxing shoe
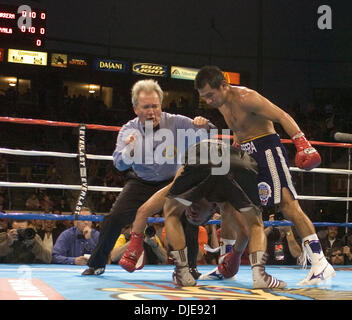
x=318 y=274
x=321 y=270
x=214 y=275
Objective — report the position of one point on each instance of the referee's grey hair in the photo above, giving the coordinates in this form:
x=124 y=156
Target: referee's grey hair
x=148 y=86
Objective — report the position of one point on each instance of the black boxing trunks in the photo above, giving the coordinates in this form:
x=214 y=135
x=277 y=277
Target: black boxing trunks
x=273 y=168
x=197 y=181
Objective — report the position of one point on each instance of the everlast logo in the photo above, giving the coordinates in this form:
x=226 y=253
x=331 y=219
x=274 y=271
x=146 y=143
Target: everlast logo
x=110 y=65
x=83 y=170
x=149 y=69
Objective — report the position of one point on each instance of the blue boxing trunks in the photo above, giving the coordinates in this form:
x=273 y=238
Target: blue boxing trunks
x=273 y=168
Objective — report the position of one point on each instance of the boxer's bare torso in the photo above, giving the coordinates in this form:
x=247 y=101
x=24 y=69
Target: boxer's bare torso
x=247 y=113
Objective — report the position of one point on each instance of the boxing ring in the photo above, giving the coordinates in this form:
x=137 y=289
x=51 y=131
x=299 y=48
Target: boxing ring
x=153 y=282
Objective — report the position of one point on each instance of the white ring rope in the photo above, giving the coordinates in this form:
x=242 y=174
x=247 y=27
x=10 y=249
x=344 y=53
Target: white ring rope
x=118 y=189
x=52 y=154
x=324 y=198
x=110 y=158
x=57 y=186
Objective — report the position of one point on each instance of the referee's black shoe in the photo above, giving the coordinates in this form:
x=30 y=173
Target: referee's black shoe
x=93 y=272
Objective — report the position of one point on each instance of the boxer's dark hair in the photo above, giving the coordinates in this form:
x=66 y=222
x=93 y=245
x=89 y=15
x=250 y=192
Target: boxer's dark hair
x=211 y=75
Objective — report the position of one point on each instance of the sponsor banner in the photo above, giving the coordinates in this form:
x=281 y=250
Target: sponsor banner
x=110 y=65
x=27 y=289
x=232 y=77
x=183 y=73
x=74 y=61
x=27 y=57
x=1 y=54
x=59 y=60
x=150 y=69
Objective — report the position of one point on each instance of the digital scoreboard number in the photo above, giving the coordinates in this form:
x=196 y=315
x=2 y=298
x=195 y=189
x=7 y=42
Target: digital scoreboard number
x=22 y=26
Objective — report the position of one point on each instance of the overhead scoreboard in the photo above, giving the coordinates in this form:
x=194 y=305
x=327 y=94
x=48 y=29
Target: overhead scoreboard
x=22 y=26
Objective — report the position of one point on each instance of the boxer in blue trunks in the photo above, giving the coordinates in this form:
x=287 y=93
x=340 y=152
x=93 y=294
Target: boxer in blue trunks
x=251 y=117
x=273 y=164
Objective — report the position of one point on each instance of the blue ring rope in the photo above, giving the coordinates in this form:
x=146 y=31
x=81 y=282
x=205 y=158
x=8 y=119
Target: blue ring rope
x=96 y=218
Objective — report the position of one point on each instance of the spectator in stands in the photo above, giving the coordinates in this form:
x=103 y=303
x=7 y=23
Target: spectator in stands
x=36 y=224
x=154 y=250
x=46 y=204
x=331 y=240
x=21 y=244
x=348 y=255
x=49 y=233
x=336 y=256
x=32 y=203
x=282 y=245
x=75 y=244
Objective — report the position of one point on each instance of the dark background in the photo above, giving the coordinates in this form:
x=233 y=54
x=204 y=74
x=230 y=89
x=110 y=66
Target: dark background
x=277 y=42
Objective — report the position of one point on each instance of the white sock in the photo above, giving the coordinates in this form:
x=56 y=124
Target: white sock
x=313 y=248
x=226 y=245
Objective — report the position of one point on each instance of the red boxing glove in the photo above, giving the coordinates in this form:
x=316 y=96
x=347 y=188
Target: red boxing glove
x=229 y=263
x=134 y=258
x=307 y=158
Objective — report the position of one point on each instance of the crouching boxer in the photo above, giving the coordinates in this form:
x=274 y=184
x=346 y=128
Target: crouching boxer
x=196 y=191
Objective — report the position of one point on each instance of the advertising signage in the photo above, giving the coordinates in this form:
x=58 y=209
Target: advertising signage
x=191 y=73
x=232 y=77
x=27 y=57
x=74 y=61
x=59 y=60
x=149 y=69
x=110 y=65
x=183 y=73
